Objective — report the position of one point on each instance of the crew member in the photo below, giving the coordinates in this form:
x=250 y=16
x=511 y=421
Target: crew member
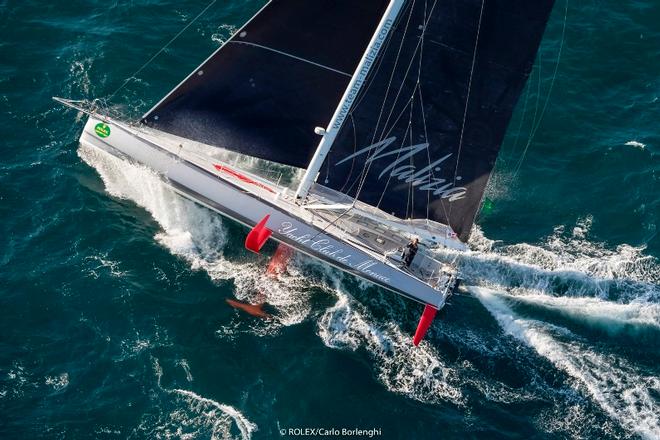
x=410 y=251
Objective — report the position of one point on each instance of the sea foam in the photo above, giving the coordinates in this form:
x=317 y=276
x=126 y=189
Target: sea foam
x=624 y=393
x=588 y=272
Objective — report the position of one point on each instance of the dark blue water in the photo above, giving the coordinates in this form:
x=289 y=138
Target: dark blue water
x=112 y=288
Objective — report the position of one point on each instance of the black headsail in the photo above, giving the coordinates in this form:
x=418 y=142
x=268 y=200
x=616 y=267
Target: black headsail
x=424 y=134
x=274 y=81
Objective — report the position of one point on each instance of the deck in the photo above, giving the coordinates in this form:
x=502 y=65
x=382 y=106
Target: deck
x=368 y=228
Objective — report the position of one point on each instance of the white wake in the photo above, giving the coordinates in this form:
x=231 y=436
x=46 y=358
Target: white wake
x=417 y=372
x=612 y=316
x=609 y=288
x=618 y=388
x=567 y=260
x=198 y=235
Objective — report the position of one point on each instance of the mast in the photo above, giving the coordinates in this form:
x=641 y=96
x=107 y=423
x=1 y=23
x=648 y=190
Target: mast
x=357 y=81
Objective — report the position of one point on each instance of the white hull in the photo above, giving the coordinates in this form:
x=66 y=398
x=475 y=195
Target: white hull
x=247 y=199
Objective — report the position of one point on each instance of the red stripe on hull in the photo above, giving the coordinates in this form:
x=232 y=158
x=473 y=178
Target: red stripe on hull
x=241 y=177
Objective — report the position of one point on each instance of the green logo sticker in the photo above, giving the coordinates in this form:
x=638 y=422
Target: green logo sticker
x=487 y=207
x=102 y=130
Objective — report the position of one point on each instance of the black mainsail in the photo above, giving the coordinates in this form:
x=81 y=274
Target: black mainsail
x=265 y=90
x=425 y=132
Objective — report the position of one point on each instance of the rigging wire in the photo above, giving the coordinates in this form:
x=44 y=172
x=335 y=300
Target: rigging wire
x=411 y=188
x=389 y=177
x=354 y=127
x=363 y=94
x=161 y=50
x=410 y=104
x=522 y=119
x=418 y=47
x=467 y=98
x=536 y=111
x=367 y=164
x=421 y=104
x=535 y=124
x=332 y=222
x=350 y=171
x=428 y=152
x=391 y=80
x=365 y=167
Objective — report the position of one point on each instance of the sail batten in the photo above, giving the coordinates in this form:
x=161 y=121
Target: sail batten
x=292 y=56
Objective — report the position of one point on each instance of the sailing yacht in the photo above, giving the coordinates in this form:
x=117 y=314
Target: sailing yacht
x=393 y=112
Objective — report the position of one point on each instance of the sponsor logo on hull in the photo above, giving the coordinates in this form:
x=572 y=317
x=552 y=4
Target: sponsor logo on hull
x=102 y=130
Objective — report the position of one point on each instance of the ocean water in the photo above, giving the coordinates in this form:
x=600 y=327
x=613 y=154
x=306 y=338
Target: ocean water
x=112 y=288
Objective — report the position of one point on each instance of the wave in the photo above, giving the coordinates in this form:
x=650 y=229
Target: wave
x=572 y=249
x=623 y=392
x=198 y=235
x=188 y=229
x=417 y=372
x=219 y=420
x=183 y=363
x=634 y=318
x=202 y=417
x=18 y=381
x=566 y=264
x=98 y=264
x=616 y=291
x=59 y=382
x=223 y=33
x=635 y=144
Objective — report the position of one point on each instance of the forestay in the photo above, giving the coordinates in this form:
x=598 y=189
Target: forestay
x=265 y=90
x=425 y=132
